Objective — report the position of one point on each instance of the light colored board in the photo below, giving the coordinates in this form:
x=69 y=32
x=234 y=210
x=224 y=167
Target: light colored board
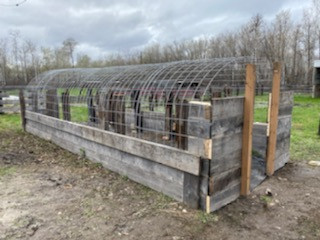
x=273 y=123
x=166 y=155
x=247 y=129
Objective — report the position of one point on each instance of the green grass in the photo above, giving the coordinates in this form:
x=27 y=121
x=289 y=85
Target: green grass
x=79 y=114
x=10 y=122
x=261 y=108
x=305 y=143
x=4 y=171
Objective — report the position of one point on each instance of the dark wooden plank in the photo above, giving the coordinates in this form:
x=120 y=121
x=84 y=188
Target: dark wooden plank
x=191 y=190
x=65 y=106
x=22 y=109
x=52 y=104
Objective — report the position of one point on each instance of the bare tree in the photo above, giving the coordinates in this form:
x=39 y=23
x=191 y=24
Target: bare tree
x=308 y=41
x=69 y=46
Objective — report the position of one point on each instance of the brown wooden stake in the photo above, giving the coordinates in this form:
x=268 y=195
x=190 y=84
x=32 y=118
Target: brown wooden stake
x=22 y=110
x=273 y=118
x=247 y=129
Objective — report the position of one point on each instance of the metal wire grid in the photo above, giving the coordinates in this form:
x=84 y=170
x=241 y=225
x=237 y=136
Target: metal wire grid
x=145 y=101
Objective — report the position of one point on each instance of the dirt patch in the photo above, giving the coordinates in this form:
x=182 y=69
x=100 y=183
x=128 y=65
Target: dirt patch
x=49 y=193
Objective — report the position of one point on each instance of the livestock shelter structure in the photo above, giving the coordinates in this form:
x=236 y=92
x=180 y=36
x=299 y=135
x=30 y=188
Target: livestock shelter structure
x=181 y=128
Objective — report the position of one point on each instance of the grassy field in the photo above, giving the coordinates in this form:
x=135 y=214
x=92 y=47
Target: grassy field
x=305 y=143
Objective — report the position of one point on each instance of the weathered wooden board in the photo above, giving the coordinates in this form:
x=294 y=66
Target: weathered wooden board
x=260 y=139
x=199 y=127
x=3 y=95
x=223 y=108
x=286 y=103
x=200 y=109
x=226 y=152
x=157 y=176
x=228 y=195
x=166 y=155
x=191 y=190
x=224 y=170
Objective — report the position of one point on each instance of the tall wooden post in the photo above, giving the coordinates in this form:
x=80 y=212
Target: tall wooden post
x=22 y=109
x=1 y=103
x=273 y=118
x=168 y=116
x=181 y=123
x=247 y=129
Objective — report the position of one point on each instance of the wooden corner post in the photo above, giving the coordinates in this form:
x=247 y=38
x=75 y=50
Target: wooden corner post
x=273 y=118
x=247 y=129
x=22 y=109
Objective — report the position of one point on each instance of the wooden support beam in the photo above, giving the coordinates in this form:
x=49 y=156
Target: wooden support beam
x=52 y=104
x=273 y=118
x=22 y=109
x=65 y=106
x=182 y=109
x=247 y=129
x=119 y=112
x=1 y=104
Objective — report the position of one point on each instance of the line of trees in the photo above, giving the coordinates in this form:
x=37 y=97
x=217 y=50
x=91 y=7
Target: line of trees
x=295 y=43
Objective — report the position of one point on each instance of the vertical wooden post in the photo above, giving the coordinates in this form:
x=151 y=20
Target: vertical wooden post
x=168 y=116
x=181 y=123
x=52 y=103
x=22 y=109
x=247 y=129
x=102 y=110
x=119 y=112
x=319 y=126
x=91 y=106
x=1 y=103
x=273 y=118
x=65 y=106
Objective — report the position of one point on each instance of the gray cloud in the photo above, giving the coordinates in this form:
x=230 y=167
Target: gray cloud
x=106 y=26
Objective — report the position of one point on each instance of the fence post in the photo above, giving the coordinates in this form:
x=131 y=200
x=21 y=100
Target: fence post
x=22 y=109
x=273 y=118
x=1 y=103
x=247 y=129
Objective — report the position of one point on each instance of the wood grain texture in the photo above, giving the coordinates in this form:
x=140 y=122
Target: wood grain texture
x=166 y=155
x=273 y=122
x=247 y=129
x=154 y=175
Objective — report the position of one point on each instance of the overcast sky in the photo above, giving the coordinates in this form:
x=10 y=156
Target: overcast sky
x=122 y=25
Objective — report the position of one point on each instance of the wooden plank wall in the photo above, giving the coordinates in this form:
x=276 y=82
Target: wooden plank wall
x=225 y=165
x=171 y=171
x=284 y=129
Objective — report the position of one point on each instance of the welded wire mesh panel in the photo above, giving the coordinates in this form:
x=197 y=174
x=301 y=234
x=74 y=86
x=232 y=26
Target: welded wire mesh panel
x=162 y=103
